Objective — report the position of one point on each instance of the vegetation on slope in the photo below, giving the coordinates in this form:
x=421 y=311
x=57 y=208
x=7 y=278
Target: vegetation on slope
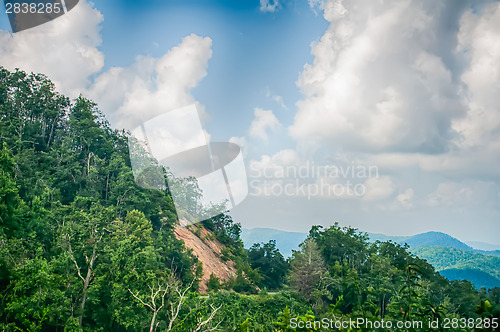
x=444 y=259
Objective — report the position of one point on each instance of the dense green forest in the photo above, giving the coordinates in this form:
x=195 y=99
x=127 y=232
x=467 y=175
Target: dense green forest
x=83 y=248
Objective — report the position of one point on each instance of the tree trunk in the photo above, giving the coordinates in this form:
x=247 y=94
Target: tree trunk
x=86 y=284
x=151 y=328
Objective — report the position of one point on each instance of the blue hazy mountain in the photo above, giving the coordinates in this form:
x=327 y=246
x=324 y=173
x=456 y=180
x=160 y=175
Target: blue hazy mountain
x=452 y=258
x=285 y=241
x=424 y=239
x=439 y=239
x=477 y=277
x=483 y=246
x=480 y=269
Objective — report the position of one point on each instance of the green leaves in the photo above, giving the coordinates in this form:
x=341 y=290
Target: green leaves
x=70 y=206
x=10 y=202
x=272 y=266
x=35 y=296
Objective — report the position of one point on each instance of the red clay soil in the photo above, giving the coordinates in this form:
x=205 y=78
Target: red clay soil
x=208 y=252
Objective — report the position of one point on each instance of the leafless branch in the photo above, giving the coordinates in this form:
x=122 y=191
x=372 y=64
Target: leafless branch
x=140 y=300
x=209 y=319
x=72 y=256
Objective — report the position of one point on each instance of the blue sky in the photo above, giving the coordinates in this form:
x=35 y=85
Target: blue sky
x=253 y=51
x=410 y=88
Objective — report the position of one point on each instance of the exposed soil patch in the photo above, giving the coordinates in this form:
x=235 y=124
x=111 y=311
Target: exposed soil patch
x=208 y=252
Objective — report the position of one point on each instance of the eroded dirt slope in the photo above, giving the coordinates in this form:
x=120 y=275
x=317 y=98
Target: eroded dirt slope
x=208 y=252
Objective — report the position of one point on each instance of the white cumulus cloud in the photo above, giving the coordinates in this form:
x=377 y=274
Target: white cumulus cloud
x=381 y=79
x=152 y=86
x=463 y=194
x=276 y=98
x=378 y=188
x=65 y=49
x=405 y=200
x=480 y=42
x=263 y=122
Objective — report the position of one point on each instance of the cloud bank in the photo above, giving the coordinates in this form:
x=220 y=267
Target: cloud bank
x=66 y=49
x=407 y=82
x=152 y=86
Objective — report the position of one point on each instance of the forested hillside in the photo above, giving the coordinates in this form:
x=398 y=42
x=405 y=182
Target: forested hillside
x=82 y=248
x=477 y=277
x=471 y=264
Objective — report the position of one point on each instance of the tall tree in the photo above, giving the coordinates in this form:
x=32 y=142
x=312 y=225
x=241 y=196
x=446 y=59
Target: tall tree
x=270 y=262
x=307 y=267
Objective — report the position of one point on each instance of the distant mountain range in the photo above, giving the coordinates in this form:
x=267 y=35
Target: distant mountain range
x=437 y=239
x=285 y=241
x=476 y=261
x=482 y=245
x=482 y=270
x=424 y=239
x=477 y=277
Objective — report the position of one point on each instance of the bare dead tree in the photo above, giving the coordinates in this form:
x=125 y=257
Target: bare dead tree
x=175 y=309
x=207 y=322
x=96 y=238
x=170 y=297
x=158 y=292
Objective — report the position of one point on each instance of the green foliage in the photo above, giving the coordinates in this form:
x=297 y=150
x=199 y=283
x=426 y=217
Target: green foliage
x=270 y=263
x=213 y=284
x=255 y=312
x=11 y=205
x=226 y=230
x=307 y=268
x=241 y=283
x=283 y=323
x=75 y=230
